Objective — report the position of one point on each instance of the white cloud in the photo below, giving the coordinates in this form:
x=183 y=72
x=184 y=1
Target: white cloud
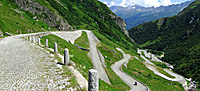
x=150 y=3
x=145 y=3
x=166 y=2
x=123 y=3
x=105 y=2
x=112 y=3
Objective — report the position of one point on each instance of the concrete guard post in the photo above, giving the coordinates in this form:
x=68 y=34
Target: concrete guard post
x=39 y=43
x=30 y=38
x=46 y=43
x=93 y=81
x=55 y=47
x=66 y=56
x=33 y=38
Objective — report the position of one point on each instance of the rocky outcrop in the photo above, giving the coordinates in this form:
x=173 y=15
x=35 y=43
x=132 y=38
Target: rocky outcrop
x=43 y=13
x=161 y=22
x=121 y=23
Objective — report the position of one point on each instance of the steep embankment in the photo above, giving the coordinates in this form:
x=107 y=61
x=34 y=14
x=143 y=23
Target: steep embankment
x=177 y=36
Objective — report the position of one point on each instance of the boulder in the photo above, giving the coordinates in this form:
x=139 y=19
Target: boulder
x=8 y=34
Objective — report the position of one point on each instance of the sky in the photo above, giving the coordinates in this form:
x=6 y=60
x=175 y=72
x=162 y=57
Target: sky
x=145 y=3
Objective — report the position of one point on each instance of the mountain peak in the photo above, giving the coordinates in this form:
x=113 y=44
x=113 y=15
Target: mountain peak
x=135 y=15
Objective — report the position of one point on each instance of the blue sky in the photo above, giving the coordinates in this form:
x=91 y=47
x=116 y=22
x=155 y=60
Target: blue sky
x=145 y=3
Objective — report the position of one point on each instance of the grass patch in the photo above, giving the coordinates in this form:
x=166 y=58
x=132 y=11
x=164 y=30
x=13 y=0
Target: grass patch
x=138 y=70
x=150 y=42
x=163 y=72
x=142 y=52
x=188 y=82
x=159 y=64
x=113 y=43
x=83 y=40
x=79 y=56
x=112 y=55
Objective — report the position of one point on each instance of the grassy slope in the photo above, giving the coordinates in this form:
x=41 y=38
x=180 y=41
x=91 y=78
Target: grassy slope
x=159 y=64
x=161 y=70
x=79 y=56
x=16 y=23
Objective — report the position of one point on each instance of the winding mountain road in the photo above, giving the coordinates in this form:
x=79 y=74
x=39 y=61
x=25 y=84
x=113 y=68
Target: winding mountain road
x=116 y=67
x=177 y=78
x=96 y=61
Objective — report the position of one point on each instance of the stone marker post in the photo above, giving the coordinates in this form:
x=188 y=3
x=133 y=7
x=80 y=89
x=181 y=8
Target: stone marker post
x=33 y=38
x=39 y=41
x=66 y=56
x=26 y=37
x=93 y=81
x=55 y=47
x=30 y=38
x=46 y=43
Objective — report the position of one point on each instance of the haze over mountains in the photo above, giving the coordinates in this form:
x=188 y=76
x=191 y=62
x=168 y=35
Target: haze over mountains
x=135 y=14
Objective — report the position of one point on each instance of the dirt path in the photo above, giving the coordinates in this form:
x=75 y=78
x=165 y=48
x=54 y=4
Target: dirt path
x=26 y=67
x=125 y=77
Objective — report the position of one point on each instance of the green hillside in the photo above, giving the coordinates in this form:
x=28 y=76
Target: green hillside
x=177 y=36
x=80 y=14
x=92 y=15
x=30 y=16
